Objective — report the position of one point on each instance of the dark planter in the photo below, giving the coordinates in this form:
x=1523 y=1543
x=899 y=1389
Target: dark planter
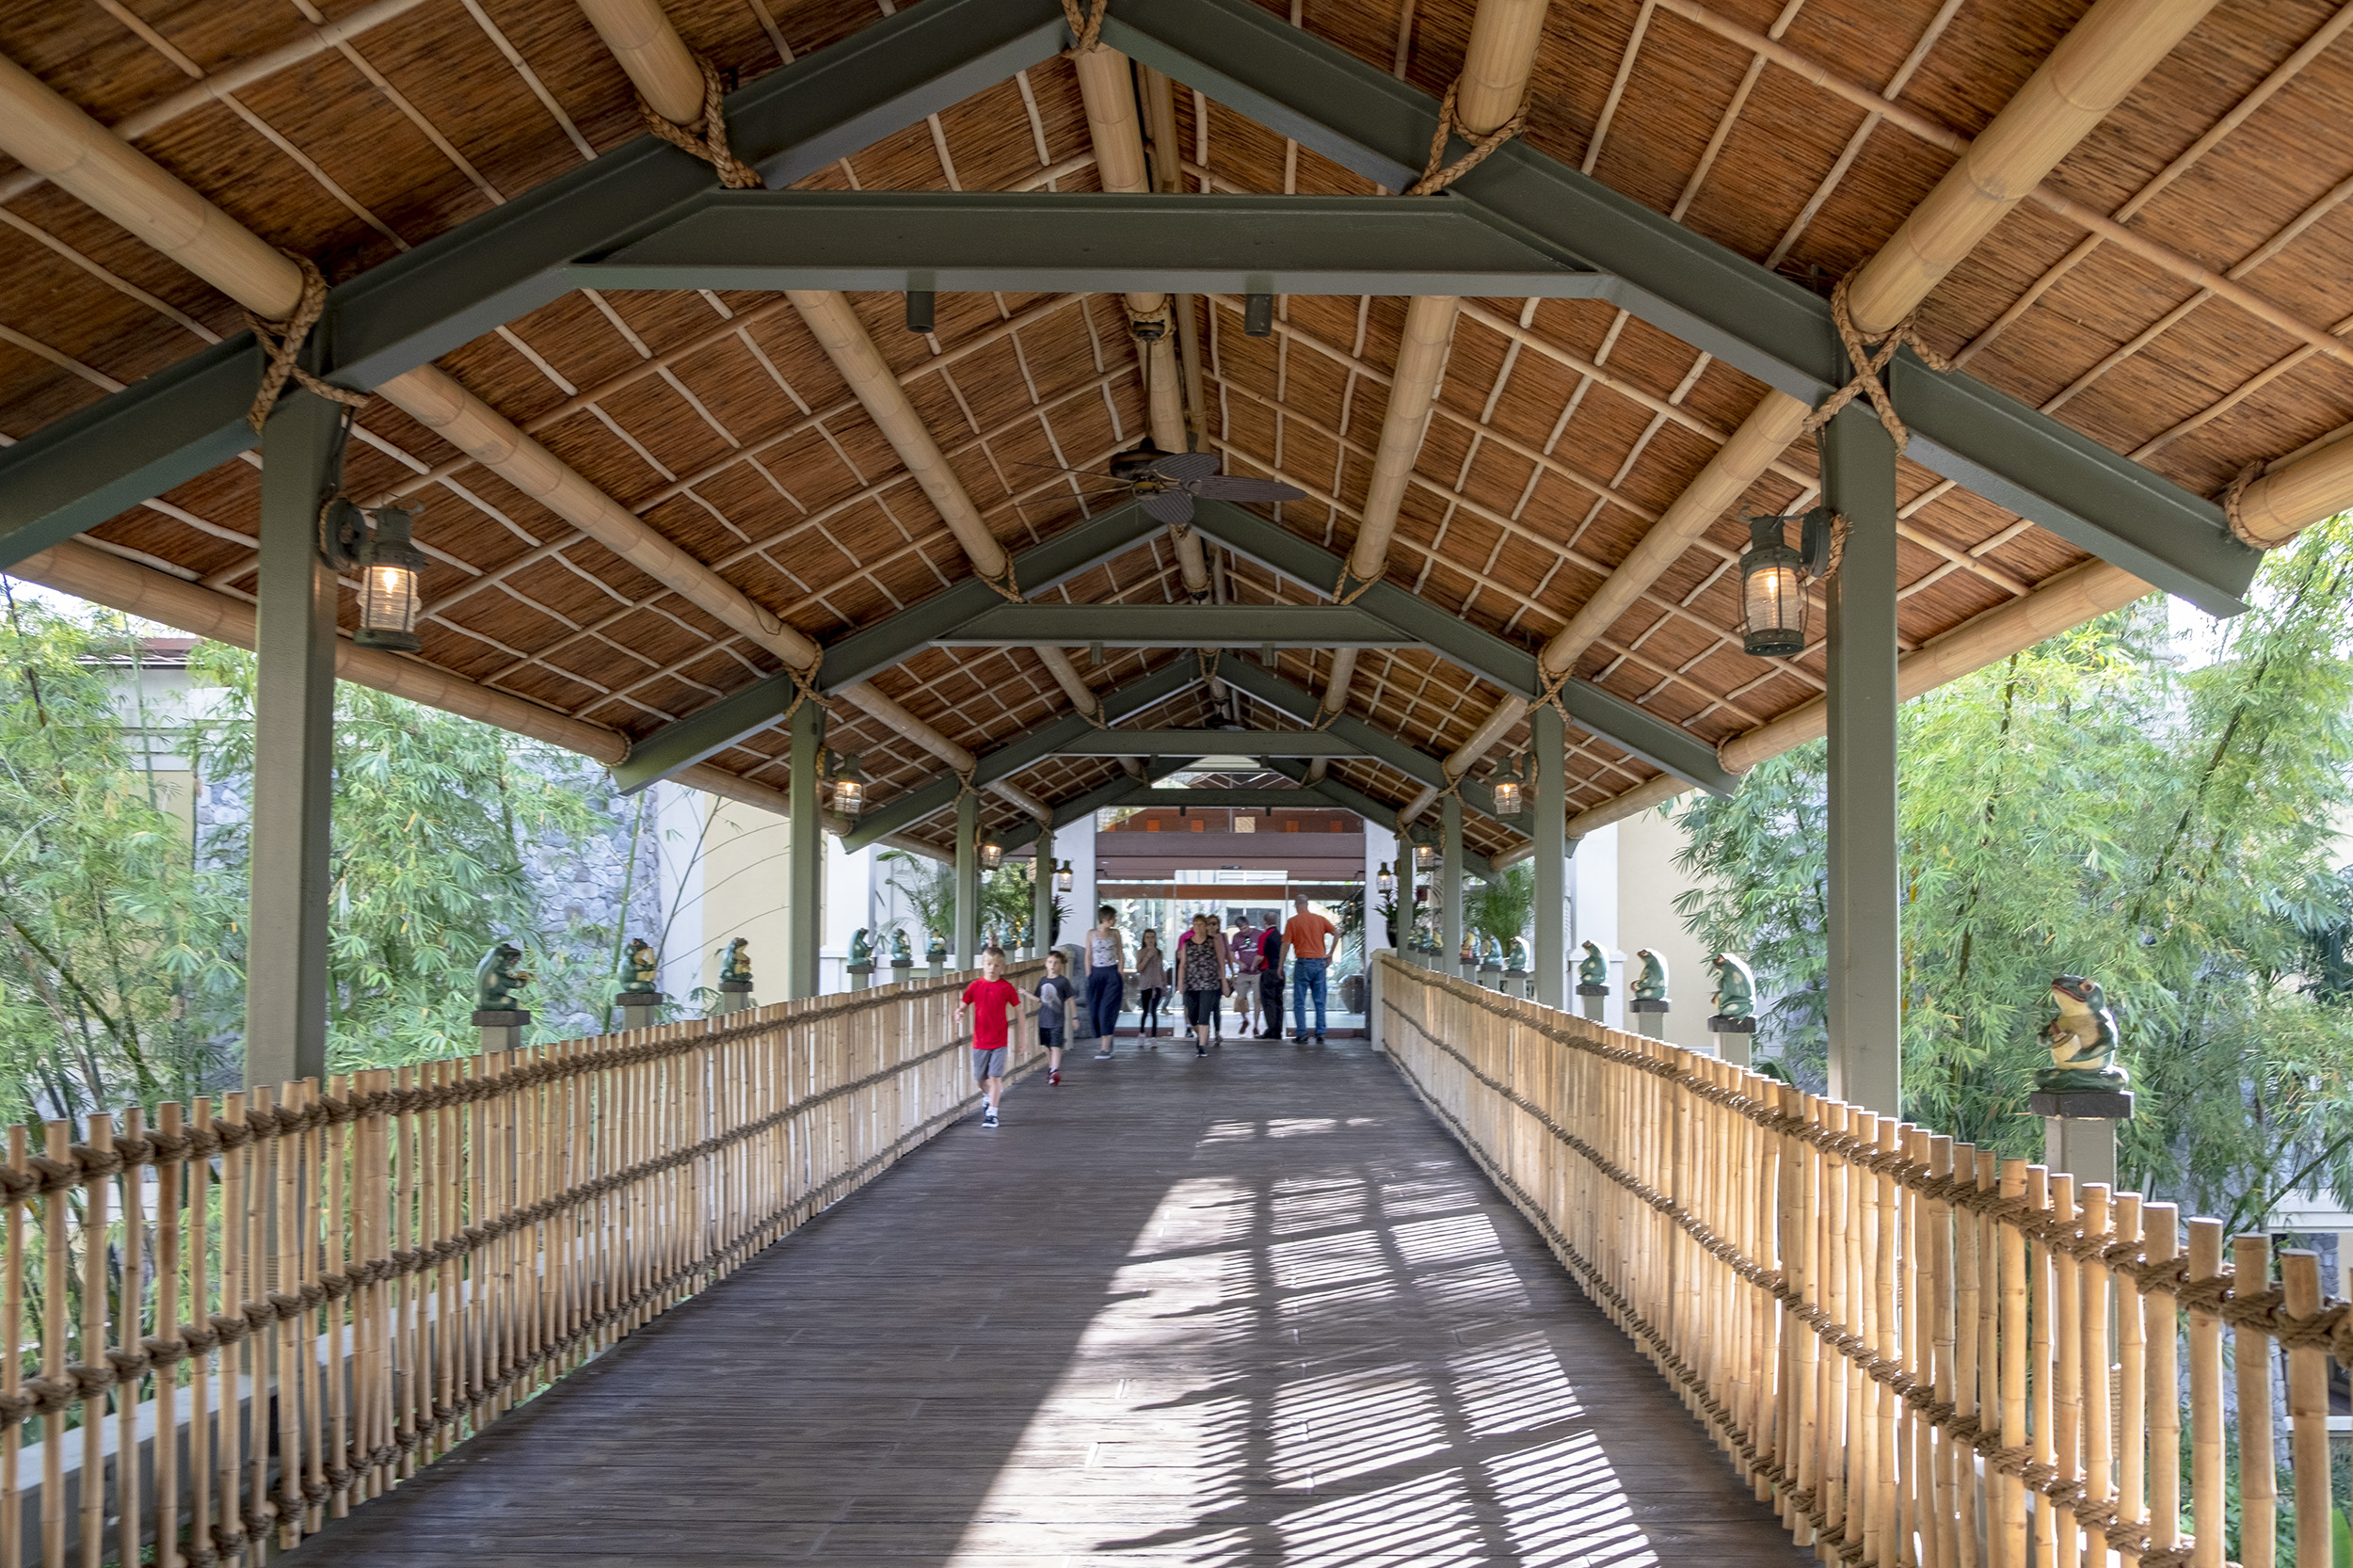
x=1352 y=994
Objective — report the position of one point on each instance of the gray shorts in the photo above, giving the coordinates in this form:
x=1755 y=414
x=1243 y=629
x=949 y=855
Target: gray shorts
x=989 y=1064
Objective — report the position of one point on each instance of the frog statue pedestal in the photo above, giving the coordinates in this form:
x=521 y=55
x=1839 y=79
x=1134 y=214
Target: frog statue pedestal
x=639 y=1002
x=496 y=1012
x=2082 y=1094
x=901 y=958
x=1592 y=982
x=1734 y=1022
x=735 y=978
x=1648 y=1002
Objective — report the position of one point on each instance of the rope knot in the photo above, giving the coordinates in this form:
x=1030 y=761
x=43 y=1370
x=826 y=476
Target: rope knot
x=1086 y=30
x=1869 y=355
x=283 y=342
x=1436 y=174
x=707 y=137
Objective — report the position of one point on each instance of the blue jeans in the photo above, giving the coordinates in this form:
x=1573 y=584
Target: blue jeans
x=1104 y=987
x=1307 y=975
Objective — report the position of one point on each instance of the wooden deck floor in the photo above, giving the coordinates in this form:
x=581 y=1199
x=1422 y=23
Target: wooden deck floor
x=1258 y=1309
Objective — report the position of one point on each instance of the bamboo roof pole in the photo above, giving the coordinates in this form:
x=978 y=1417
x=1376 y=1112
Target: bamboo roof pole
x=2102 y=57
x=640 y=36
x=52 y=136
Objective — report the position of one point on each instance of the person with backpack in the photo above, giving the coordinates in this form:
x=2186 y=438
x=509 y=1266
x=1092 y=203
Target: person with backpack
x=1271 y=981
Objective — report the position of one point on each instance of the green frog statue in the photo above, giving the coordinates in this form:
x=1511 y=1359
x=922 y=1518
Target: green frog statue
x=1736 y=988
x=2082 y=1041
x=640 y=968
x=496 y=980
x=901 y=955
x=735 y=963
x=1651 y=986
x=937 y=955
x=1593 y=972
x=861 y=947
x=1522 y=960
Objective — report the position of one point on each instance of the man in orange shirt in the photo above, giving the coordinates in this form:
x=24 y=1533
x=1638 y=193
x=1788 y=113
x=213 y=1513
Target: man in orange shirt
x=1308 y=936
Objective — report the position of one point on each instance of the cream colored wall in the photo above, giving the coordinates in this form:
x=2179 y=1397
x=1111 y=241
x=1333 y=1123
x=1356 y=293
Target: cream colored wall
x=1647 y=884
x=743 y=891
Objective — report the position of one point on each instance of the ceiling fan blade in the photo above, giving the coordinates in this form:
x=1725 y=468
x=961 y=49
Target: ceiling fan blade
x=1187 y=465
x=1220 y=487
x=1169 y=506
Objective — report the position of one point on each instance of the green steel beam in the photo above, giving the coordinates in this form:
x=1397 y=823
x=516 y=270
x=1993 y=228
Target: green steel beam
x=973 y=242
x=1356 y=113
x=163 y=430
x=1006 y=625
x=1664 y=746
x=1079 y=807
x=904 y=810
x=1365 y=806
x=1236 y=799
x=707 y=731
x=1380 y=746
x=1189 y=743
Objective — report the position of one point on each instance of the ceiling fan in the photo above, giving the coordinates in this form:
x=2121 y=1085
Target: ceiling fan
x=1168 y=482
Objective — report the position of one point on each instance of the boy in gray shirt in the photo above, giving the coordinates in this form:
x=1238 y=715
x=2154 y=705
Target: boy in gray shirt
x=1053 y=1013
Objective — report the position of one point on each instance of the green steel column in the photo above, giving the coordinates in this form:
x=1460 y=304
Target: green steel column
x=293 y=757
x=1548 y=748
x=1451 y=882
x=968 y=880
x=805 y=856
x=1866 y=1021
x=1042 y=889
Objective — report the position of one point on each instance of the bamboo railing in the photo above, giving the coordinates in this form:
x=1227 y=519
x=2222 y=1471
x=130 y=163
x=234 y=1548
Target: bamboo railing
x=230 y=1322
x=1924 y=1356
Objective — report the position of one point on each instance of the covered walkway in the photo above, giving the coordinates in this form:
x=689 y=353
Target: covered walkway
x=1260 y=1308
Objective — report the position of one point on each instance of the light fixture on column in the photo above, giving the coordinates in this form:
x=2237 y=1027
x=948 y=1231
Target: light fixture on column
x=1506 y=780
x=849 y=785
x=1774 y=579
x=992 y=853
x=1065 y=879
x=1387 y=881
x=390 y=567
x=1425 y=842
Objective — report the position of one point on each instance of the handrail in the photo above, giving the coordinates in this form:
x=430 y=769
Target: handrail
x=394 y=1260
x=1925 y=1356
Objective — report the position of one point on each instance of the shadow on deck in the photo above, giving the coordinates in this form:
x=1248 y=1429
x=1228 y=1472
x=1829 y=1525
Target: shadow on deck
x=1254 y=1310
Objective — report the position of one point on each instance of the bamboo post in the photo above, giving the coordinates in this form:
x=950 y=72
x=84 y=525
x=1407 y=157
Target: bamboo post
x=2010 y=1512
x=130 y=1305
x=2099 y=1475
x=1961 y=1458
x=2205 y=1398
x=2041 y=1364
x=2308 y=1412
x=2066 y=1382
x=2258 y=1467
x=2160 y=1315
x=2132 y=1375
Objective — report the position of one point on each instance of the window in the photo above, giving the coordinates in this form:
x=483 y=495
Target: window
x=1292 y=826
x=1245 y=825
x=1198 y=826
x=1151 y=827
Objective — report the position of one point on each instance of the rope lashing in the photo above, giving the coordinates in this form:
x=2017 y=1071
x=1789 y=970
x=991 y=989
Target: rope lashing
x=1349 y=588
x=282 y=341
x=1870 y=354
x=804 y=690
x=706 y=138
x=2231 y=495
x=1436 y=173
x=1004 y=582
x=1087 y=28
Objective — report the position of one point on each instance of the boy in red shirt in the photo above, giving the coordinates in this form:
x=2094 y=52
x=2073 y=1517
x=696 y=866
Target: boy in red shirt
x=993 y=1000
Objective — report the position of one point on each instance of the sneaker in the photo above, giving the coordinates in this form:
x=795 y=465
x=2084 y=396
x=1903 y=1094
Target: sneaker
x=1054 y=1076
x=1319 y=1039
x=988 y=1118
x=1200 y=1049
x=1102 y=1056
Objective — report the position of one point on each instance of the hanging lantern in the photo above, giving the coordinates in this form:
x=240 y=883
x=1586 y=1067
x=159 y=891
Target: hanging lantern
x=1425 y=844
x=992 y=853
x=1064 y=878
x=1505 y=780
x=1387 y=881
x=849 y=786
x=1772 y=591
x=389 y=565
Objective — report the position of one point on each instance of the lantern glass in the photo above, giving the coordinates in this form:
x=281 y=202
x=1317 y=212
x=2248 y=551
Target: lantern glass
x=992 y=855
x=1772 y=592
x=1425 y=857
x=849 y=787
x=390 y=567
x=1507 y=796
x=1064 y=879
x=1387 y=881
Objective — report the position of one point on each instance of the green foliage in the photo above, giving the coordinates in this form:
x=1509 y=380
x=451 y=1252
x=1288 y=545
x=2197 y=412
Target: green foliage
x=929 y=888
x=113 y=988
x=2089 y=807
x=434 y=815
x=1504 y=909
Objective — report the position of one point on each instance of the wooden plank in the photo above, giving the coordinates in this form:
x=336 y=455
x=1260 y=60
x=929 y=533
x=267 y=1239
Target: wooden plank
x=1260 y=1307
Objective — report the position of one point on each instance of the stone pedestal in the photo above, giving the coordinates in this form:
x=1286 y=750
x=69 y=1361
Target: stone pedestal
x=1650 y=1015
x=735 y=996
x=902 y=970
x=1589 y=1001
x=502 y=1028
x=1491 y=976
x=861 y=975
x=1515 y=983
x=2079 y=1130
x=1733 y=1036
x=639 y=1008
